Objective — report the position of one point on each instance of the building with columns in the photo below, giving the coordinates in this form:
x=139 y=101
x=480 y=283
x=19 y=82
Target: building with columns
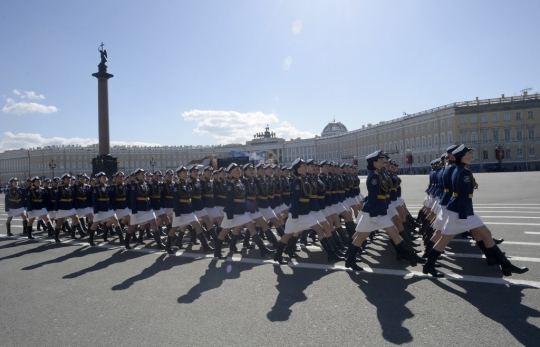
x=491 y=126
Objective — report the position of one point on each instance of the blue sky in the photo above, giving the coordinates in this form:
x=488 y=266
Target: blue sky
x=213 y=72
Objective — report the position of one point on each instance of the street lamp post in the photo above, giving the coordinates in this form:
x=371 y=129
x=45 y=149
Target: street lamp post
x=499 y=154
x=409 y=159
x=52 y=166
x=152 y=164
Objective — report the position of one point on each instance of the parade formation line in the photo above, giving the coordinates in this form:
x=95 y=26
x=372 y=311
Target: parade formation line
x=405 y=274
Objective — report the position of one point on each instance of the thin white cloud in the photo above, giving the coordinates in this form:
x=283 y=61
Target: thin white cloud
x=23 y=107
x=30 y=95
x=236 y=127
x=10 y=141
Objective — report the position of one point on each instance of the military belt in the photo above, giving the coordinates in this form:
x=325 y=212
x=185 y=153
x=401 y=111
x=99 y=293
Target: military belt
x=37 y=200
x=103 y=199
x=143 y=199
x=285 y=193
x=80 y=198
x=208 y=195
x=447 y=190
x=303 y=200
x=239 y=200
x=120 y=199
x=66 y=200
x=381 y=197
x=187 y=201
x=222 y=196
x=168 y=196
x=261 y=197
x=456 y=194
x=155 y=196
x=196 y=197
x=16 y=200
x=251 y=198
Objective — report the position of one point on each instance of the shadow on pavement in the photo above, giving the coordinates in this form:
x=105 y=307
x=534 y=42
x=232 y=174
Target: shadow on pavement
x=41 y=248
x=390 y=301
x=501 y=304
x=291 y=290
x=213 y=277
x=117 y=257
x=76 y=253
x=163 y=263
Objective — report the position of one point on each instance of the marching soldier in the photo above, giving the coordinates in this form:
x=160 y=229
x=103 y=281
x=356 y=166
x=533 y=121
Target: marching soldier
x=66 y=205
x=14 y=205
x=37 y=202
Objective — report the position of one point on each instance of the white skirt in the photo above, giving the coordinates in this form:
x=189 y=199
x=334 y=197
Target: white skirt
x=65 y=213
x=352 y=201
x=255 y=215
x=160 y=212
x=400 y=201
x=427 y=200
x=303 y=222
x=37 y=213
x=267 y=213
x=122 y=213
x=220 y=209
x=436 y=208
x=366 y=225
x=212 y=212
x=81 y=212
x=238 y=219
x=284 y=207
x=277 y=210
x=52 y=214
x=441 y=218
x=339 y=207
x=103 y=215
x=16 y=212
x=183 y=220
x=331 y=210
x=391 y=211
x=325 y=212
x=141 y=217
x=169 y=211
x=201 y=213
x=434 y=202
x=319 y=216
x=453 y=227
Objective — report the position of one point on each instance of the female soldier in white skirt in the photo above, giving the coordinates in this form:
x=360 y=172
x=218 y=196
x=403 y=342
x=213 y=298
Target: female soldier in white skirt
x=119 y=200
x=103 y=209
x=209 y=203
x=36 y=205
x=251 y=206
x=66 y=205
x=141 y=208
x=183 y=214
x=262 y=199
x=461 y=217
x=197 y=202
x=15 y=204
x=236 y=215
x=84 y=200
x=375 y=216
x=300 y=218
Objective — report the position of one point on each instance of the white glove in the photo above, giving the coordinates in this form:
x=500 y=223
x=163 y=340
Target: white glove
x=374 y=219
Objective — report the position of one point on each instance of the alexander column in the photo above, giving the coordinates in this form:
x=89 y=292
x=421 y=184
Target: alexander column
x=104 y=161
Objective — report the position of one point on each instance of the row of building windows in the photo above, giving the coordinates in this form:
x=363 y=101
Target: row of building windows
x=496 y=135
x=495 y=118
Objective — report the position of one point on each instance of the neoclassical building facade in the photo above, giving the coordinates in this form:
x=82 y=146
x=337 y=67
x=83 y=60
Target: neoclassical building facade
x=508 y=124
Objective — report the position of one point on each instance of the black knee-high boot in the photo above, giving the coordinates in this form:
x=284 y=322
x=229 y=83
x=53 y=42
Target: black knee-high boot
x=140 y=239
x=91 y=237
x=126 y=241
x=345 y=238
x=338 y=240
x=429 y=266
x=217 y=250
x=29 y=231
x=232 y=246
x=350 y=263
x=193 y=235
x=303 y=238
x=260 y=243
x=332 y=256
x=204 y=243
x=168 y=246
x=272 y=238
x=106 y=234
x=50 y=229
x=280 y=231
x=79 y=228
x=279 y=253
x=25 y=226
x=119 y=233
x=506 y=266
x=429 y=247
x=246 y=244
x=413 y=258
x=57 y=235
x=489 y=257
x=291 y=247
x=157 y=238
x=8 y=227
x=148 y=232
x=179 y=239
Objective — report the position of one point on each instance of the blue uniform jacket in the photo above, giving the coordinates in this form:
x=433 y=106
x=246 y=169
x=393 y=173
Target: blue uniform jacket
x=15 y=199
x=301 y=193
x=140 y=197
x=196 y=195
x=447 y=184
x=208 y=193
x=182 y=198
x=262 y=192
x=167 y=198
x=101 y=198
x=220 y=192
x=462 y=186
x=286 y=191
x=37 y=199
x=155 y=191
x=313 y=200
x=66 y=198
x=236 y=198
x=251 y=194
x=375 y=201
x=118 y=196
